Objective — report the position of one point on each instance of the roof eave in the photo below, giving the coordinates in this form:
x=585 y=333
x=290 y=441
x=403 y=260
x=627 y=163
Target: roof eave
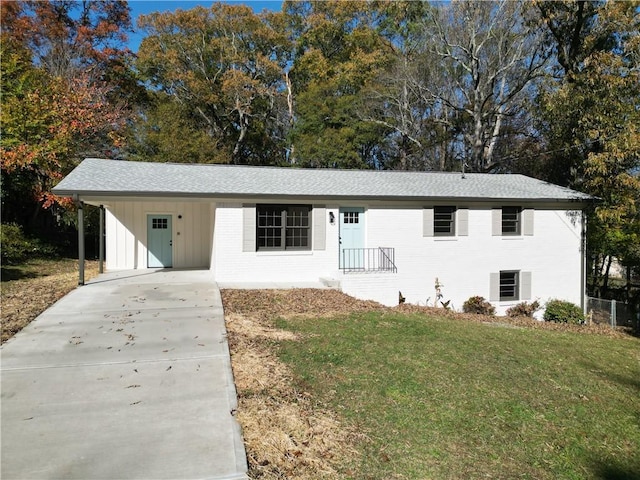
x=268 y=196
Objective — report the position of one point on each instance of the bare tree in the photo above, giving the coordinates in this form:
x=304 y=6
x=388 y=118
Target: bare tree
x=413 y=118
x=490 y=57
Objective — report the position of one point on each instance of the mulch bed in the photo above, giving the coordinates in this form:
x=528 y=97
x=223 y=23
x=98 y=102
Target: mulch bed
x=303 y=302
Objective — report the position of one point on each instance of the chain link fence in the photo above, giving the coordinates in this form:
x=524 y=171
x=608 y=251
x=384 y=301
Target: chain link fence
x=612 y=312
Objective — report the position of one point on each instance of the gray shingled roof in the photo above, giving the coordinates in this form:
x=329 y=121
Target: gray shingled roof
x=98 y=177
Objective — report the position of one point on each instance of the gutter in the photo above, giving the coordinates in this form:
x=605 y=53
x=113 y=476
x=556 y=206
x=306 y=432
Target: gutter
x=300 y=197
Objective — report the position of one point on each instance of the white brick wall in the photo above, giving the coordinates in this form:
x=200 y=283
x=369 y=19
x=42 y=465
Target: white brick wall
x=462 y=264
x=231 y=264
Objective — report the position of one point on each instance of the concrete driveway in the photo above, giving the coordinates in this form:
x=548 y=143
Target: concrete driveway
x=127 y=377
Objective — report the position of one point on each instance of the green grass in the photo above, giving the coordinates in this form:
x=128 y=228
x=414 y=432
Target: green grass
x=441 y=398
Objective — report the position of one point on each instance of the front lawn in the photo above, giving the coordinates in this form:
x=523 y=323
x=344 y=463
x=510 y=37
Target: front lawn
x=445 y=398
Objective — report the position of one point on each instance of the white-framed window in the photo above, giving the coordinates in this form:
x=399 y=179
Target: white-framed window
x=351 y=217
x=283 y=227
x=511 y=220
x=159 y=223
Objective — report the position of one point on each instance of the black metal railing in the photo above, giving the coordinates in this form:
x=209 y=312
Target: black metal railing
x=380 y=259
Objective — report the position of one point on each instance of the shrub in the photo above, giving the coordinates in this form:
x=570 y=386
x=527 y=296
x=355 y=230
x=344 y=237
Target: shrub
x=524 y=309
x=15 y=247
x=561 y=311
x=478 y=305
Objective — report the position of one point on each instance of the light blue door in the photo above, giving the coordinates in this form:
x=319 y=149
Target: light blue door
x=159 y=241
x=352 y=238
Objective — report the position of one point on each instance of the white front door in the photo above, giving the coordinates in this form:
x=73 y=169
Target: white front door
x=352 y=237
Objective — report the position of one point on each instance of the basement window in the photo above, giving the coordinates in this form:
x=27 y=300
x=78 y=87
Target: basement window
x=509 y=285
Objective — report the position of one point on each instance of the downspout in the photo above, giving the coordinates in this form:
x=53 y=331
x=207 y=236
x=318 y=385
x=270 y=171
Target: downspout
x=80 y=206
x=101 y=242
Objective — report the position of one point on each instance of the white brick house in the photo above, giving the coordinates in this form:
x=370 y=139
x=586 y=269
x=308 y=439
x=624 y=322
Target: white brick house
x=508 y=238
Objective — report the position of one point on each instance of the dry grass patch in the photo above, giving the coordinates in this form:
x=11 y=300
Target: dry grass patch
x=286 y=434
x=29 y=289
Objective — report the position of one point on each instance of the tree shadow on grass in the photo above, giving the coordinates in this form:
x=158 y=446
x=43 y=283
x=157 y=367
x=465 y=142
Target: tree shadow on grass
x=604 y=470
x=623 y=379
x=8 y=273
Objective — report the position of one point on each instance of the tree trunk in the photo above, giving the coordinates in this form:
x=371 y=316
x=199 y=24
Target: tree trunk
x=628 y=285
x=605 y=280
x=488 y=158
x=292 y=156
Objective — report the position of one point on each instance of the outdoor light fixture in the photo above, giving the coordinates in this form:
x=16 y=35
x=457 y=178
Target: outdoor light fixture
x=332 y=218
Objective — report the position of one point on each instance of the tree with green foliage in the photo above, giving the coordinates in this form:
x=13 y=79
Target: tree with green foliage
x=590 y=120
x=164 y=130
x=336 y=52
x=222 y=66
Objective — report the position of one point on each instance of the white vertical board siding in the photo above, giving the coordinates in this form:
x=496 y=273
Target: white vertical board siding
x=191 y=233
x=234 y=263
x=212 y=220
x=126 y=233
x=122 y=236
x=113 y=258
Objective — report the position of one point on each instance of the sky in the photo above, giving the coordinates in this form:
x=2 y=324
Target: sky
x=143 y=7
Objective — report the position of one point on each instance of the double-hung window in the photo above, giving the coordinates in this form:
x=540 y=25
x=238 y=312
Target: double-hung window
x=283 y=227
x=511 y=220
x=444 y=221
x=509 y=285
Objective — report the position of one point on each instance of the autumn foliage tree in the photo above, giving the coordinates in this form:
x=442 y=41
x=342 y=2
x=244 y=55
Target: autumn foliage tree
x=223 y=68
x=59 y=103
x=68 y=38
x=590 y=120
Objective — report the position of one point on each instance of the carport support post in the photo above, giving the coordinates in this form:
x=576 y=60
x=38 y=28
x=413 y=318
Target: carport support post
x=101 y=242
x=80 y=242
